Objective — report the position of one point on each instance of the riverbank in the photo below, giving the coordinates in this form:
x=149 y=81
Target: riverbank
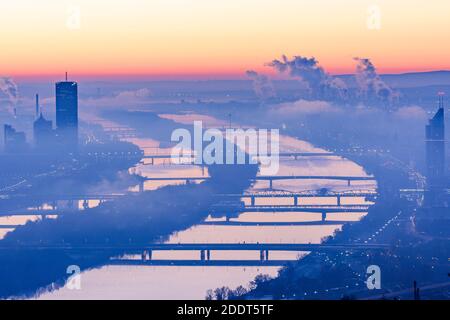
x=390 y=221
x=91 y=170
x=343 y=275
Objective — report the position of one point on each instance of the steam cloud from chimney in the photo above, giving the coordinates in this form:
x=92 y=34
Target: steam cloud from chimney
x=371 y=87
x=262 y=85
x=321 y=85
x=9 y=88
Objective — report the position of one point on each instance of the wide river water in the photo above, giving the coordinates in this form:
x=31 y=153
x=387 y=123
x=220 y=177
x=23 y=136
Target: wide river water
x=192 y=282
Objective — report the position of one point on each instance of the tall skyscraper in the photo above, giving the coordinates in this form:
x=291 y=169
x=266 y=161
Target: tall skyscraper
x=67 y=113
x=435 y=153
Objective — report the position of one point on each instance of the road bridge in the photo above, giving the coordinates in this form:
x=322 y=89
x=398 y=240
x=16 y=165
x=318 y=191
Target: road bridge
x=63 y=197
x=367 y=194
x=205 y=249
x=273 y=223
x=322 y=209
x=190 y=157
x=203 y=263
x=270 y=178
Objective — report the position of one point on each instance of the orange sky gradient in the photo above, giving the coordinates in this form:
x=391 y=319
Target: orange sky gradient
x=216 y=39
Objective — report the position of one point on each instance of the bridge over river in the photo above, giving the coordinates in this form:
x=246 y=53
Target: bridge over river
x=145 y=252
x=190 y=157
x=324 y=210
x=348 y=179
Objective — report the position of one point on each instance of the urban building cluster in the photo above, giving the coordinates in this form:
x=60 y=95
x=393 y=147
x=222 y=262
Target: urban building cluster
x=64 y=137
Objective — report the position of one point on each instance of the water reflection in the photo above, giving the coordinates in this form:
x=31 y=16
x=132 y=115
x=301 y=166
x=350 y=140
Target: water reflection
x=131 y=282
x=169 y=282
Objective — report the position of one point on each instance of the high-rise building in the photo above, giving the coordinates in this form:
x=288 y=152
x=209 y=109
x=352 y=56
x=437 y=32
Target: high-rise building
x=67 y=113
x=435 y=153
x=434 y=218
x=44 y=136
x=15 y=141
x=435 y=144
x=43 y=133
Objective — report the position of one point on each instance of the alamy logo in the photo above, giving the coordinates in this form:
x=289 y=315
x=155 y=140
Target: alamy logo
x=374 y=17
x=374 y=279
x=229 y=146
x=74 y=280
x=73 y=21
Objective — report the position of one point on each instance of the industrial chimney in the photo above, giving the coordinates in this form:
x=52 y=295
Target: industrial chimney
x=37 y=106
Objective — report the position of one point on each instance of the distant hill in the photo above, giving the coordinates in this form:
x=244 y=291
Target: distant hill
x=408 y=80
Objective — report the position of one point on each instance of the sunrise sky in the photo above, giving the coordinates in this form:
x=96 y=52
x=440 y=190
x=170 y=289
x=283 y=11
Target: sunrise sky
x=212 y=38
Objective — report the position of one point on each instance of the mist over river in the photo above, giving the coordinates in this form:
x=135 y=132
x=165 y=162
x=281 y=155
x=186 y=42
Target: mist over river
x=192 y=282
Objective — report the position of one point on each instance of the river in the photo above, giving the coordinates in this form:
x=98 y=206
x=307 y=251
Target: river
x=192 y=282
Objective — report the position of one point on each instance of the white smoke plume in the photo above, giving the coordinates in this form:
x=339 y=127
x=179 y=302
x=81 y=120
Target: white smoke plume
x=302 y=107
x=321 y=85
x=9 y=88
x=134 y=98
x=370 y=86
x=262 y=85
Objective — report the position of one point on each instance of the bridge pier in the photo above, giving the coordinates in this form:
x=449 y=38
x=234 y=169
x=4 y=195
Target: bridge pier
x=324 y=216
x=202 y=255
x=252 y=200
x=205 y=255
x=264 y=255
x=270 y=184
x=295 y=200
x=338 y=200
